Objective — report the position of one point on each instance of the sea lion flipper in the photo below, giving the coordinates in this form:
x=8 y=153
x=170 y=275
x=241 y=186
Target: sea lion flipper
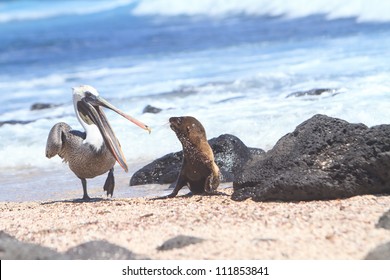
x=213 y=180
x=180 y=183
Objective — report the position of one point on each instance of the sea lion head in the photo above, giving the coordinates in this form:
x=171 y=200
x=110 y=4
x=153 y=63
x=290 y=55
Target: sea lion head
x=188 y=129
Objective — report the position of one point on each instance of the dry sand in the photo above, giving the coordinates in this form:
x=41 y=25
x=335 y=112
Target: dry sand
x=337 y=229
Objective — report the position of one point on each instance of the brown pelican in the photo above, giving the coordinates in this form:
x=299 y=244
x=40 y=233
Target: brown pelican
x=95 y=151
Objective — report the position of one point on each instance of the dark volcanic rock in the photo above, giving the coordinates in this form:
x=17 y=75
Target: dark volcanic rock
x=324 y=158
x=230 y=154
x=13 y=122
x=151 y=109
x=382 y=252
x=164 y=170
x=314 y=92
x=384 y=221
x=13 y=249
x=41 y=106
x=101 y=250
x=178 y=242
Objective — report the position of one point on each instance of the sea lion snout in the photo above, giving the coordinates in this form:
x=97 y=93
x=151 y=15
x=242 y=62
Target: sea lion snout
x=186 y=126
x=176 y=120
x=175 y=123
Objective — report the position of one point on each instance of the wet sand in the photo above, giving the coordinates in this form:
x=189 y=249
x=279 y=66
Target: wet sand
x=337 y=229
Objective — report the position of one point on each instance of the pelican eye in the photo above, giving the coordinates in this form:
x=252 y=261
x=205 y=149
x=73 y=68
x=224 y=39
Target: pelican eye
x=90 y=97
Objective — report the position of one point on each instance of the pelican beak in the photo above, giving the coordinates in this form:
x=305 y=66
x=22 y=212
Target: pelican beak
x=99 y=101
x=91 y=107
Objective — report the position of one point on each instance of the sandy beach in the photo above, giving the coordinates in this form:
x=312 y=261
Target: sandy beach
x=337 y=229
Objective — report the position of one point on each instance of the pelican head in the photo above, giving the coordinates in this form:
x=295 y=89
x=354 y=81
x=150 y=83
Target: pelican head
x=88 y=107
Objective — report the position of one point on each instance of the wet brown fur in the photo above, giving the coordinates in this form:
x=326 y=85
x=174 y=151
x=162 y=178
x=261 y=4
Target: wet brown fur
x=199 y=171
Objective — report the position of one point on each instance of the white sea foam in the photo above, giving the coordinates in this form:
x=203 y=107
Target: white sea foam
x=363 y=10
x=32 y=10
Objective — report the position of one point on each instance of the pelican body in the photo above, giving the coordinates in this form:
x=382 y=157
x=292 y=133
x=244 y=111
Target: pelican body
x=95 y=151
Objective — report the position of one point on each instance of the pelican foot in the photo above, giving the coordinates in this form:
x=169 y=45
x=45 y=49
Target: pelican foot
x=110 y=183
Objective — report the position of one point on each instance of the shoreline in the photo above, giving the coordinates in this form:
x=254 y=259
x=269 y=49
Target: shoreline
x=333 y=229
x=61 y=183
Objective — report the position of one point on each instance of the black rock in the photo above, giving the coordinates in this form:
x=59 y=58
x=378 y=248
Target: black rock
x=178 y=242
x=230 y=154
x=382 y=252
x=41 y=106
x=314 y=92
x=164 y=170
x=324 y=158
x=151 y=109
x=101 y=250
x=384 y=221
x=13 y=249
x=13 y=122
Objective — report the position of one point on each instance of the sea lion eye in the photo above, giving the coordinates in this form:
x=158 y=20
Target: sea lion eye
x=188 y=129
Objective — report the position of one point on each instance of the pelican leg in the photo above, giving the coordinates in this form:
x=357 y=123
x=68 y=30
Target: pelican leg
x=110 y=183
x=85 y=196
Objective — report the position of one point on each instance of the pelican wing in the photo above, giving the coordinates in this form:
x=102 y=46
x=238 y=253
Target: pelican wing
x=55 y=140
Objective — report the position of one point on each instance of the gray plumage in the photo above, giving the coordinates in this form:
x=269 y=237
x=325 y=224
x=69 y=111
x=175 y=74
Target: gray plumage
x=83 y=159
x=95 y=151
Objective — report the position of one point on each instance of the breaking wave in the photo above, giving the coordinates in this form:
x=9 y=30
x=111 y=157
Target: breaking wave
x=362 y=10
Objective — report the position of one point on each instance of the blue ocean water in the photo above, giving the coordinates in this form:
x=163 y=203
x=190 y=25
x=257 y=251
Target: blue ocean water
x=231 y=64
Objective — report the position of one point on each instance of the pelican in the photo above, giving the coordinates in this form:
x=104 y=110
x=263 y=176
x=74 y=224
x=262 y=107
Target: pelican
x=95 y=151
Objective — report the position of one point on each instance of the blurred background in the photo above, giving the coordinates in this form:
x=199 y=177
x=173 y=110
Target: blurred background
x=252 y=68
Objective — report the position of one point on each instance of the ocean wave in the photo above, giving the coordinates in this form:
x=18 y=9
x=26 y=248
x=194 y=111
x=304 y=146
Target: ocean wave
x=362 y=10
x=33 y=10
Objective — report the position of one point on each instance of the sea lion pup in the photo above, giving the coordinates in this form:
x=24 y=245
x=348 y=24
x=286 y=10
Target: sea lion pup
x=199 y=171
